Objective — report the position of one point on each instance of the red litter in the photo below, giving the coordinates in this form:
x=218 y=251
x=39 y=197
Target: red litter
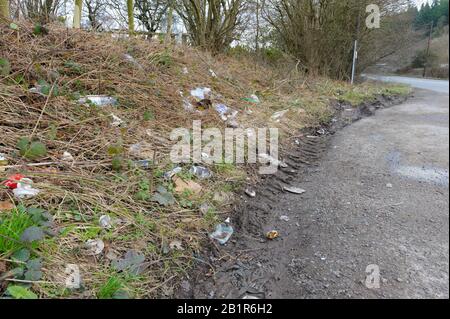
x=12 y=181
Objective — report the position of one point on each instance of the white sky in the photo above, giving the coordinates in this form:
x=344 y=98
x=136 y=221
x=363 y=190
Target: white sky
x=419 y=2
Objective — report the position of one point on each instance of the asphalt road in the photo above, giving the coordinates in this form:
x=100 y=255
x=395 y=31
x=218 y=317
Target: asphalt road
x=440 y=86
x=373 y=223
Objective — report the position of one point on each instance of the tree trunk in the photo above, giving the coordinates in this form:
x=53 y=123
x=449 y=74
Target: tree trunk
x=130 y=10
x=77 y=14
x=168 y=38
x=4 y=9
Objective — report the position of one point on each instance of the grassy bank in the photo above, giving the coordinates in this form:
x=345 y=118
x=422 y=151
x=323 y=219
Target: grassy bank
x=96 y=209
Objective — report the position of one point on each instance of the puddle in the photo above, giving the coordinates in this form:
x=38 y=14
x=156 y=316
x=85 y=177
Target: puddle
x=425 y=174
x=420 y=173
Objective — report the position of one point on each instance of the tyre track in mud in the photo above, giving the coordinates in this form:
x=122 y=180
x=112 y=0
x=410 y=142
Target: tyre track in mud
x=250 y=263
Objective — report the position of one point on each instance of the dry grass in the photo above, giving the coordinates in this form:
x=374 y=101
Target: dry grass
x=76 y=63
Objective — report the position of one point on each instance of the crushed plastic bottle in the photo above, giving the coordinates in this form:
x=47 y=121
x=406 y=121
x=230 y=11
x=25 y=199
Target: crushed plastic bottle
x=117 y=121
x=25 y=189
x=222 y=233
x=168 y=175
x=201 y=93
x=99 y=100
x=67 y=157
x=201 y=172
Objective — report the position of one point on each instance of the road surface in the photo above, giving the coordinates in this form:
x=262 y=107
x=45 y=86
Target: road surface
x=378 y=201
x=440 y=86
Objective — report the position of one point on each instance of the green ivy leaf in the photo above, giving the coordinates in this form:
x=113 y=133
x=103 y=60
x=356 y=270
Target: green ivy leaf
x=133 y=262
x=19 y=292
x=22 y=255
x=34 y=264
x=163 y=197
x=33 y=275
x=32 y=234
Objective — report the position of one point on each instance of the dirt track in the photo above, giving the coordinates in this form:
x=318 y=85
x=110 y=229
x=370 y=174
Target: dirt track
x=378 y=195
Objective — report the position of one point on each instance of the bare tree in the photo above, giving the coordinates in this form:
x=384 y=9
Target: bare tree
x=321 y=33
x=150 y=13
x=96 y=9
x=212 y=24
x=39 y=10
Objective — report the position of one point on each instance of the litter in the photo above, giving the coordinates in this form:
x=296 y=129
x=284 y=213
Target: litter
x=176 y=245
x=95 y=246
x=222 y=109
x=3 y=162
x=12 y=181
x=322 y=131
x=233 y=123
x=38 y=89
x=272 y=160
x=117 y=121
x=142 y=151
x=132 y=60
x=278 y=115
x=201 y=93
x=285 y=218
x=250 y=193
x=73 y=280
x=145 y=164
x=187 y=105
x=201 y=172
x=21 y=186
x=185 y=70
x=67 y=157
x=25 y=189
x=168 y=175
x=294 y=190
x=182 y=186
x=273 y=234
x=213 y=74
x=389 y=185
x=204 y=208
x=203 y=105
x=222 y=233
x=255 y=98
x=105 y=221
x=227 y=115
x=99 y=100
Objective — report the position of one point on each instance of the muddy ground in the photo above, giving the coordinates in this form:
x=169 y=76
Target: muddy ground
x=376 y=194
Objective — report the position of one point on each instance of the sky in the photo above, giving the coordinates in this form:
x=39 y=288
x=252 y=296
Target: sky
x=420 y=2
